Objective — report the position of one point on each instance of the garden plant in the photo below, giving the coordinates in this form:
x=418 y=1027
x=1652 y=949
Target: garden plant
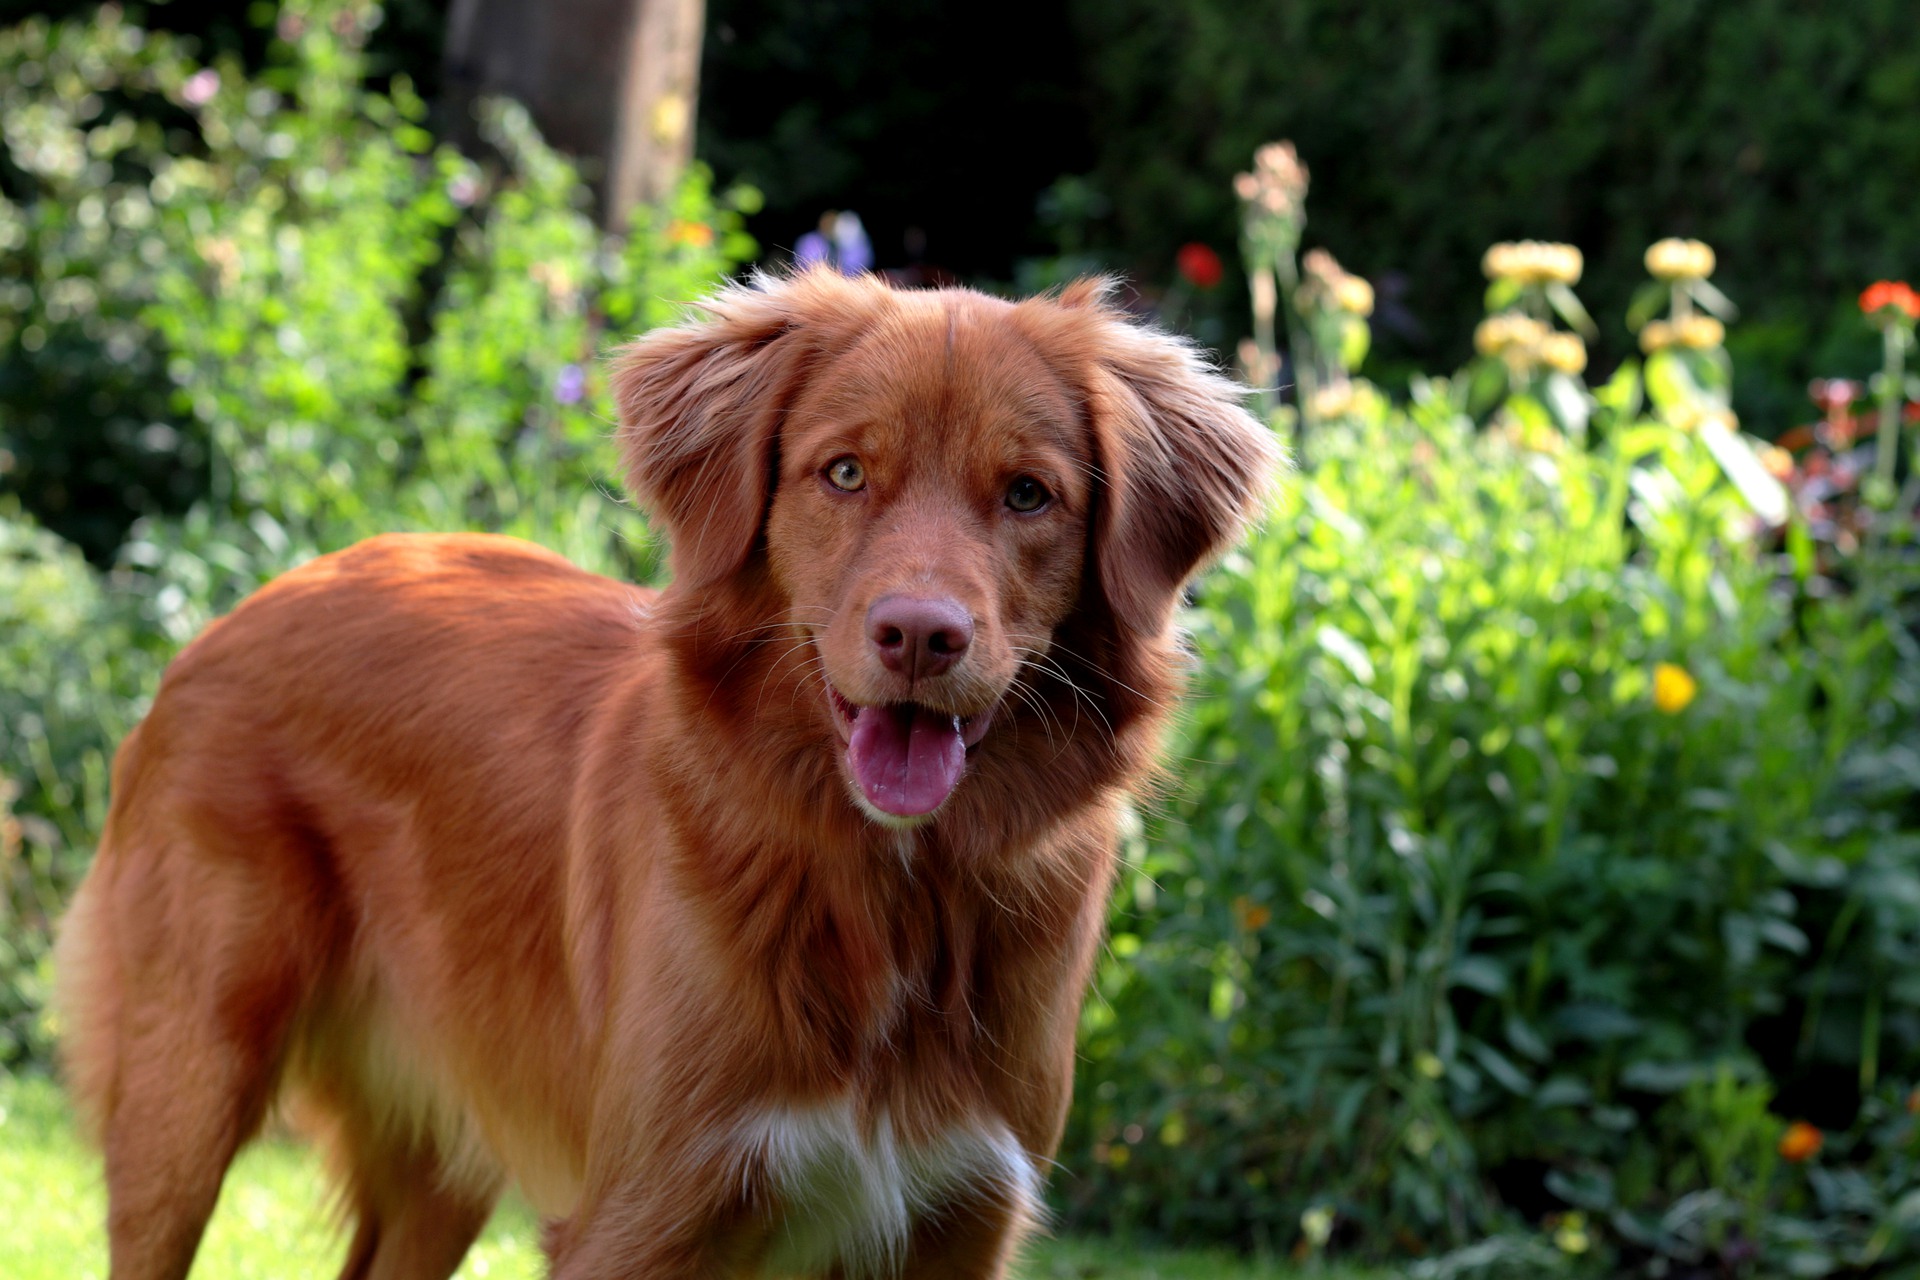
x=1543 y=890
x=1537 y=888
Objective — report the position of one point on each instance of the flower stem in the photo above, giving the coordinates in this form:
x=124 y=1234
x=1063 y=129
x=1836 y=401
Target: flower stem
x=1300 y=351
x=1893 y=346
x=1260 y=286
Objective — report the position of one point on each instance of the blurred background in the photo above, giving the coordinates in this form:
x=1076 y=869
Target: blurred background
x=1542 y=892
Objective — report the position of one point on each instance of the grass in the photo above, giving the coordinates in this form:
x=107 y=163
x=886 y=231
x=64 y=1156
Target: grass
x=271 y=1219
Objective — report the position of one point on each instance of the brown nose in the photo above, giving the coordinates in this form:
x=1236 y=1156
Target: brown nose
x=919 y=638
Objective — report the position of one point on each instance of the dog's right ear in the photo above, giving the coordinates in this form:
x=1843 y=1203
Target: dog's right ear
x=700 y=407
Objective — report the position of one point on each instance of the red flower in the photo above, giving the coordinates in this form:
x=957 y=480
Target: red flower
x=1199 y=264
x=1891 y=293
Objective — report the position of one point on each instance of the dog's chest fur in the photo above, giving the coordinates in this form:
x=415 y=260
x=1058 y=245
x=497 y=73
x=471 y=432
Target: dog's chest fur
x=847 y=1191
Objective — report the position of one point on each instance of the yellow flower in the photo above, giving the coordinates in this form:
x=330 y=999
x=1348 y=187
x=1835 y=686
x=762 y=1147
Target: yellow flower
x=1354 y=294
x=1324 y=281
x=1316 y=1225
x=1563 y=352
x=1489 y=336
x=1656 y=336
x=1333 y=401
x=1699 y=332
x=1509 y=333
x=1571 y=1234
x=1673 y=688
x=1675 y=259
x=1533 y=262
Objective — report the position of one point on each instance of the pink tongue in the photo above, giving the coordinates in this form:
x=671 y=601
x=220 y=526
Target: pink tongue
x=907 y=759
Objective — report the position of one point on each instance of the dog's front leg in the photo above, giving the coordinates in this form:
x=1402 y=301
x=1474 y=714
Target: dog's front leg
x=661 y=1226
x=975 y=1239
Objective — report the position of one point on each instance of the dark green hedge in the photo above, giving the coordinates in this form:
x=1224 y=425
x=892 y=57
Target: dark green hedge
x=1781 y=133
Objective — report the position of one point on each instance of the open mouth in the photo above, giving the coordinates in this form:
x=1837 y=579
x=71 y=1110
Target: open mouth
x=906 y=758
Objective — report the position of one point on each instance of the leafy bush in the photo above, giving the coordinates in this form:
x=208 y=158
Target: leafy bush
x=73 y=665
x=357 y=329
x=1442 y=127
x=1539 y=833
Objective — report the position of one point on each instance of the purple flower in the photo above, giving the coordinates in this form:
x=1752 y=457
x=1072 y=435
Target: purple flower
x=852 y=250
x=813 y=250
x=840 y=243
x=571 y=385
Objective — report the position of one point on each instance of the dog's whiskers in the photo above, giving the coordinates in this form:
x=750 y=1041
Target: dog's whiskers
x=1043 y=661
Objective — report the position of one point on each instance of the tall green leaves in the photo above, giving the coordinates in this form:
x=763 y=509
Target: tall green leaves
x=1451 y=899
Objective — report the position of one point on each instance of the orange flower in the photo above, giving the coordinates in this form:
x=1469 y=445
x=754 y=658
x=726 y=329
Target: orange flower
x=1897 y=294
x=1250 y=914
x=1801 y=1141
x=682 y=231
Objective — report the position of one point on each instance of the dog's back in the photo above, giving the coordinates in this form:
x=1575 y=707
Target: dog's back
x=318 y=751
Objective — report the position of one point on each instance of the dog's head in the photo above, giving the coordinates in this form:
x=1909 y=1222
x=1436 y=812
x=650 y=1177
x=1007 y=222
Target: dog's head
x=938 y=489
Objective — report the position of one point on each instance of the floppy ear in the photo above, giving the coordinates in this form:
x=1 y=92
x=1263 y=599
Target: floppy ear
x=700 y=407
x=1185 y=465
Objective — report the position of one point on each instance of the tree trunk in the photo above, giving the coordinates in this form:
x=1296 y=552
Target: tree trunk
x=659 y=91
x=612 y=83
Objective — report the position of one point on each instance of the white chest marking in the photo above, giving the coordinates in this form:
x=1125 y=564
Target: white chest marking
x=851 y=1197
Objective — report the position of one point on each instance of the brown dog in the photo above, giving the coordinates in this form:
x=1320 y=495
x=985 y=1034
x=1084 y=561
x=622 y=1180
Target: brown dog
x=743 y=925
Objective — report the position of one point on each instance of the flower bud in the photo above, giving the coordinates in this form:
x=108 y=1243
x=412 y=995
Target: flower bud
x=1354 y=294
x=1699 y=332
x=1676 y=259
x=1563 y=353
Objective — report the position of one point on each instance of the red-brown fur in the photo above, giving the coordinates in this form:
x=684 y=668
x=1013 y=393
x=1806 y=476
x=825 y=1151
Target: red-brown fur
x=506 y=872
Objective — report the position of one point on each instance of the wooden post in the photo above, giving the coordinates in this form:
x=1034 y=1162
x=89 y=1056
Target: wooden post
x=612 y=83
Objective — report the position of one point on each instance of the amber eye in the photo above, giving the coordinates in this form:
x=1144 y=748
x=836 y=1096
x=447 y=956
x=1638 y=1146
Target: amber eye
x=1027 y=495
x=846 y=474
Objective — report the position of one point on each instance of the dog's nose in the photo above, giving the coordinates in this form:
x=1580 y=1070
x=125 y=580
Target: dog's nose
x=917 y=637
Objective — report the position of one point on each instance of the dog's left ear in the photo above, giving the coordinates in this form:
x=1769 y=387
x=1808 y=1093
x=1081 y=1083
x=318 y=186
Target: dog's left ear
x=700 y=407
x=1185 y=465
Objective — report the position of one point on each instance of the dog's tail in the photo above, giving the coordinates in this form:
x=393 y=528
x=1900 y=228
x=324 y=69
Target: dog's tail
x=88 y=984
x=86 y=1001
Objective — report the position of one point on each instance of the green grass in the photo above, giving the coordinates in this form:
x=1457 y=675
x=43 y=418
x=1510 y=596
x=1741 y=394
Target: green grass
x=271 y=1220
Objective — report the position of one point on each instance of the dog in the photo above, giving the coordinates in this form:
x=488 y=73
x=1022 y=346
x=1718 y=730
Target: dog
x=743 y=925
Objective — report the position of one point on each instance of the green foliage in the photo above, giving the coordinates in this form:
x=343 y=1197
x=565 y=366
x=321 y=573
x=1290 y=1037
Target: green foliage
x=74 y=664
x=1544 y=847
x=360 y=331
x=89 y=432
x=1435 y=129
x=1452 y=897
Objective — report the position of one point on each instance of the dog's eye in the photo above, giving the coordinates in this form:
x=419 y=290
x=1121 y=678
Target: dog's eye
x=1027 y=494
x=846 y=474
